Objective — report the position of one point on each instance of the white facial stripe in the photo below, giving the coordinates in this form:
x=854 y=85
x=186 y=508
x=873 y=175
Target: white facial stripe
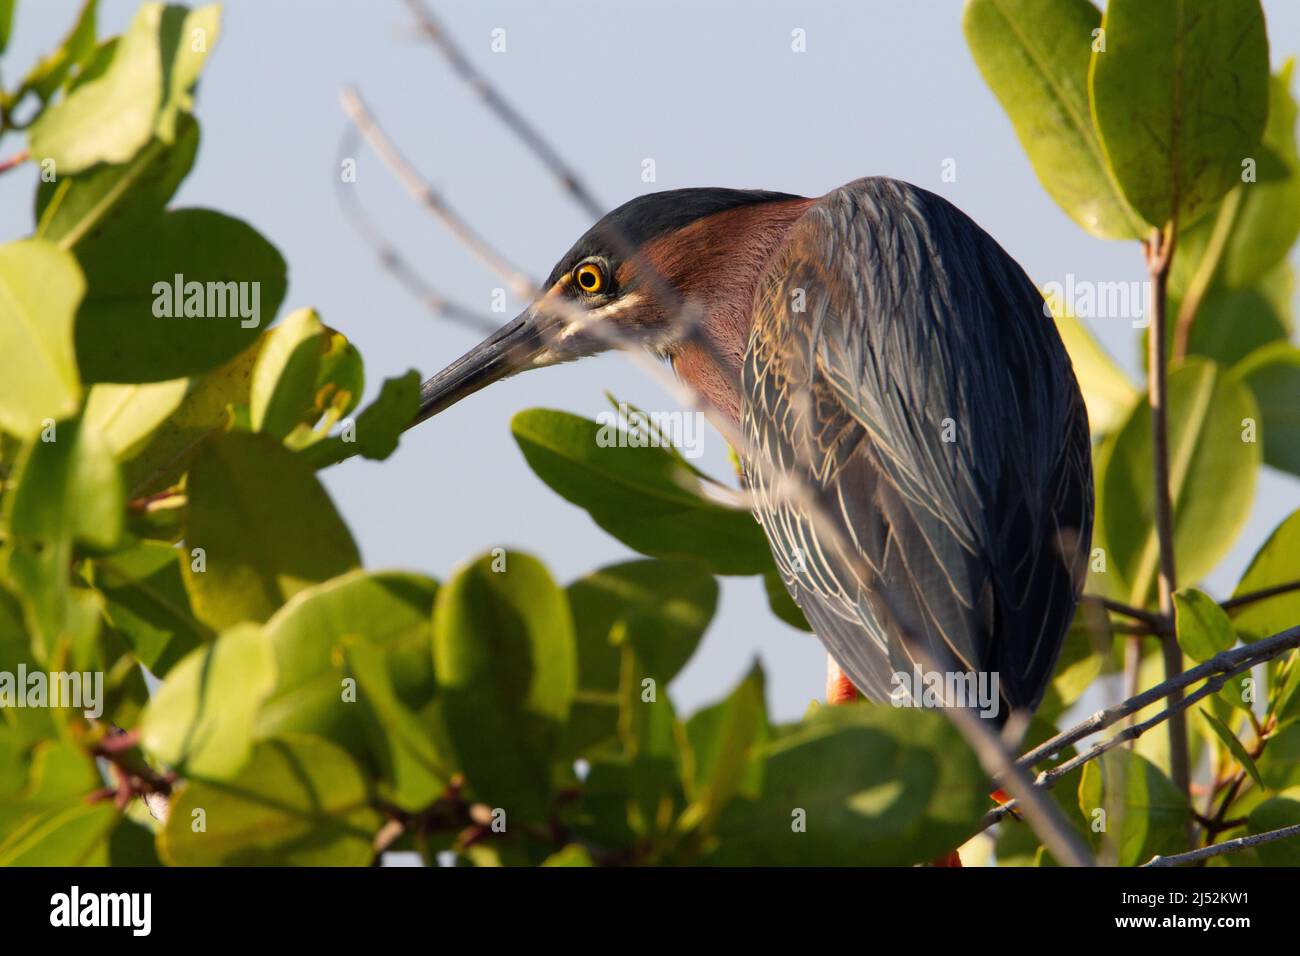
x=589 y=318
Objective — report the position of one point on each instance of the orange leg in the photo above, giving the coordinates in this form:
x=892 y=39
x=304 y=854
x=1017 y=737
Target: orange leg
x=839 y=689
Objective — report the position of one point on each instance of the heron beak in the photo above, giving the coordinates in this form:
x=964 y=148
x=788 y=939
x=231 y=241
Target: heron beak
x=508 y=350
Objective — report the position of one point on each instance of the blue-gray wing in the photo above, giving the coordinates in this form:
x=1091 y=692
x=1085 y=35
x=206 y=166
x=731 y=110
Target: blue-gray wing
x=920 y=453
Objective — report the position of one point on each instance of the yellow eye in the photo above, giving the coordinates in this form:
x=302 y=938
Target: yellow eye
x=590 y=277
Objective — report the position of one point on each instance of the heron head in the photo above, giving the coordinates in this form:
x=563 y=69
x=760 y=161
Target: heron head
x=654 y=273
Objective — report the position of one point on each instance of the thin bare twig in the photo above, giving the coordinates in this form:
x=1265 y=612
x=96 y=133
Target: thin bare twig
x=1159 y=254
x=363 y=118
x=432 y=29
x=1156 y=622
x=392 y=260
x=1263 y=594
x=1227 y=846
x=1216 y=672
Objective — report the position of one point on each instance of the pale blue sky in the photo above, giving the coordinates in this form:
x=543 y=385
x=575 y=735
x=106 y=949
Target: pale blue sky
x=712 y=92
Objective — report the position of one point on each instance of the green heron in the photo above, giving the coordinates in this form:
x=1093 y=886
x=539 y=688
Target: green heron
x=878 y=347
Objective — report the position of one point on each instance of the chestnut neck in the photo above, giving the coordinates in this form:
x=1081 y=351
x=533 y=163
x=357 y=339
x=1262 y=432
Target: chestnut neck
x=716 y=262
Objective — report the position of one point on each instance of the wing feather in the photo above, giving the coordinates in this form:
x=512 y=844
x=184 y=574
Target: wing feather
x=902 y=373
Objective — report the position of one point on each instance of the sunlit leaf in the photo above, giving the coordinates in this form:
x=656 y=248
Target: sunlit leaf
x=1179 y=97
x=1204 y=630
x=1035 y=57
x=40 y=289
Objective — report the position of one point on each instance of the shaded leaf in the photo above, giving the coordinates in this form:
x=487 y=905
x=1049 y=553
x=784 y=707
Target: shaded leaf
x=299 y=801
x=1275 y=814
x=147 y=603
x=1225 y=734
x=1207 y=454
x=1144 y=812
x=504 y=656
x=669 y=605
x=858 y=784
x=1272 y=374
x=266 y=526
x=644 y=496
x=177 y=297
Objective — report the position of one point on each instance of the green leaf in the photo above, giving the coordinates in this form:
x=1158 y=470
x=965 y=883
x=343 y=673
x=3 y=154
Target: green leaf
x=126 y=415
x=1279 y=763
x=146 y=602
x=1034 y=57
x=644 y=496
x=1272 y=374
x=68 y=491
x=652 y=765
x=40 y=289
x=284 y=379
x=723 y=739
x=412 y=766
x=140 y=323
x=187 y=38
x=73 y=208
x=378 y=428
x=77 y=47
x=575 y=854
x=1203 y=628
x=1082 y=656
x=1107 y=391
x=1179 y=98
x=299 y=801
x=1207 y=454
x=57 y=776
x=505 y=661
x=1258 y=222
x=72 y=835
x=6 y=22
x=205 y=411
x=201 y=719
x=131 y=844
x=857 y=784
x=1232 y=323
x=266 y=526
x=374 y=630
x=141 y=92
x=1275 y=814
x=668 y=604
x=1225 y=734
x=1276 y=562
x=1144 y=813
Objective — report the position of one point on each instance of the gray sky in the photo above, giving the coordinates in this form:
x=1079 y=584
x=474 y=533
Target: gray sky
x=712 y=92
